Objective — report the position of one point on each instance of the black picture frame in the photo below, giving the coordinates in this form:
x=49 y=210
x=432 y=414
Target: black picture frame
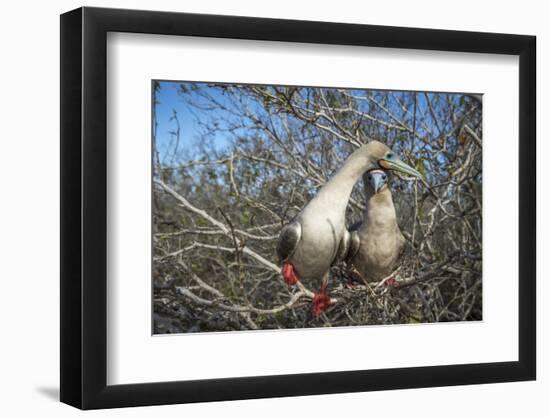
x=84 y=207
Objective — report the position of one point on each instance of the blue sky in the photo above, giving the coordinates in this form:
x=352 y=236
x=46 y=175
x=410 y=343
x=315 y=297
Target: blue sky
x=168 y=101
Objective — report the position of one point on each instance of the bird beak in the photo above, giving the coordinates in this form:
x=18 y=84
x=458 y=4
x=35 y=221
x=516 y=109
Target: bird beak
x=398 y=165
x=377 y=183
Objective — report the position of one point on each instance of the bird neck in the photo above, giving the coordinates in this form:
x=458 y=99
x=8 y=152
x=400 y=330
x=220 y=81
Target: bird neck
x=339 y=187
x=380 y=210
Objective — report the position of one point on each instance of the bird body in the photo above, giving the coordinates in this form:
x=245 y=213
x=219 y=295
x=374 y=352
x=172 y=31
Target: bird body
x=379 y=236
x=323 y=229
x=312 y=241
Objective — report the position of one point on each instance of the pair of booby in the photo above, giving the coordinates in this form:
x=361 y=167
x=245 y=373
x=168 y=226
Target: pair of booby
x=317 y=238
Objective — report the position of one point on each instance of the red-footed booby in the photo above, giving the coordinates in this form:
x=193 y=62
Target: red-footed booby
x=317 y=237
x=377 y=242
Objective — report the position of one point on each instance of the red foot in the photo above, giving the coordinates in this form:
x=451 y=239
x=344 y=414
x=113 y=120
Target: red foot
x=321 y=301
x=289 y=274
x=390 y=282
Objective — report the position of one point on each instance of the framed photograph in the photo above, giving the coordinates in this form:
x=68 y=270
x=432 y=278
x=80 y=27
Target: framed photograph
x=258 y=208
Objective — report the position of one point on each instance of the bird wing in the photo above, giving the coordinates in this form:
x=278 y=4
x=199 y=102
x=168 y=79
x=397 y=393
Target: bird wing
x=288 y=240
x=343 y=247
x=349 y=245
x=354 y=244
x=355 y=226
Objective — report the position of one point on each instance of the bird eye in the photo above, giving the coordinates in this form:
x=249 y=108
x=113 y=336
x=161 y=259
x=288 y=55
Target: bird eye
x=370 y=177
x=390 y=155
x=384 y=176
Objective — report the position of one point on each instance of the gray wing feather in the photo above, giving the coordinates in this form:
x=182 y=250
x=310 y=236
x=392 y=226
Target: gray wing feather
x=354 y=244
x=288 y=240
x=343 y=248
x=355 y=226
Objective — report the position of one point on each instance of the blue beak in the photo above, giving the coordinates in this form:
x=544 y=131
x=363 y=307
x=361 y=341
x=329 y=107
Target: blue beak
x=398 y=165
x=377 y=179
x=377 y=183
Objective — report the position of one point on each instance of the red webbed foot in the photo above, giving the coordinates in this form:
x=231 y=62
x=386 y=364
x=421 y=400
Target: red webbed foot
x=390 y=282
x=321 y=301
x=289 y=274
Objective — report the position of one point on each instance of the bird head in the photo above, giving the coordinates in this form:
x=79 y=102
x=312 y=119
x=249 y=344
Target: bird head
x=377 y=179
x=382 y=157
